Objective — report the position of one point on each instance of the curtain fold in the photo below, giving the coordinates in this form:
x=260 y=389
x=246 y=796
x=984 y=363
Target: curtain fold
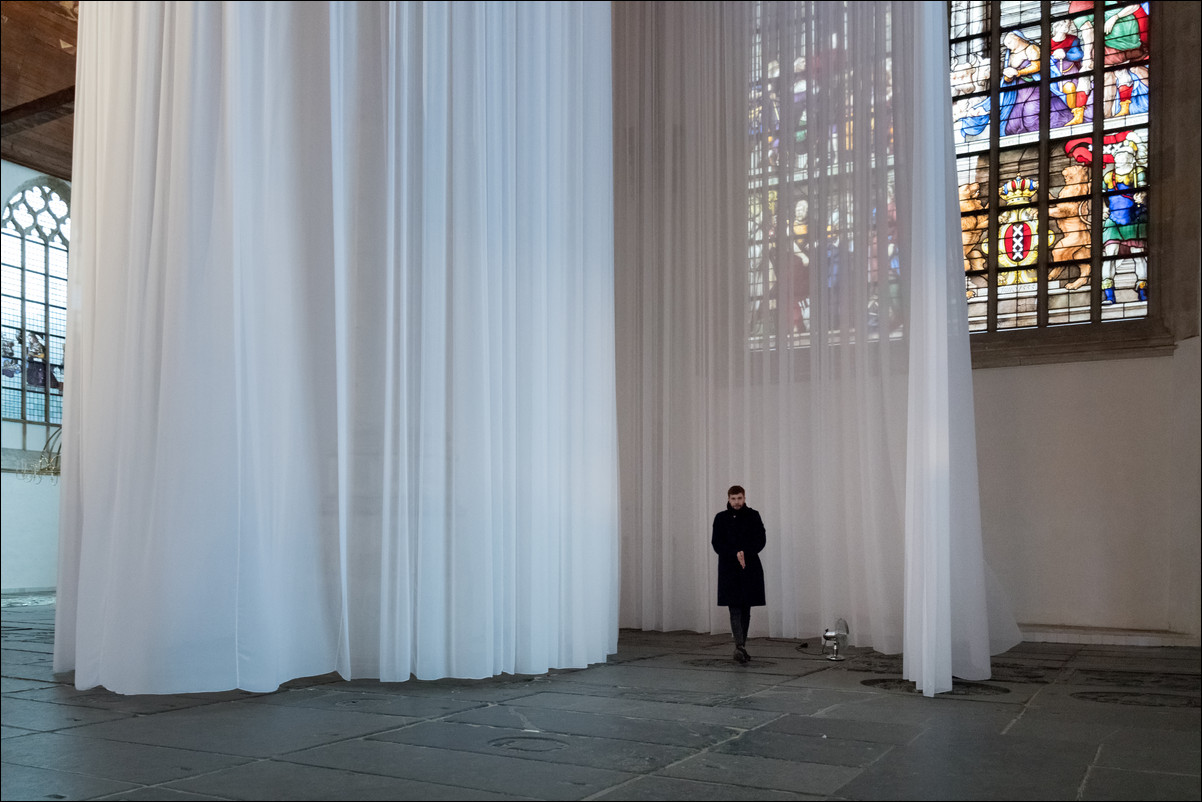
x=788 y=321
x=955 y=614
x=341 y=313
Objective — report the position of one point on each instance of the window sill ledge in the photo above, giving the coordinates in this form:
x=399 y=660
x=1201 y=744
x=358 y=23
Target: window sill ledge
x=1119 y=340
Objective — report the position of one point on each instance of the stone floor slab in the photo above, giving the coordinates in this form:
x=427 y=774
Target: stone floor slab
x=139 y=764
x=650 y=677
x=512 y=775
x=29 y=782
x=410 y=708
x=844 y=729
x=46 y=716
x=688 y=734
x=600 y=753
x=1119 y=785
x=275 y=780
x=157 y=793
x=765 y=773
x=1152 y=752
x=103 y=699
x=806 y=748
x=243 y=728
x=737 y=717
x=940 y=765
x=651 y=788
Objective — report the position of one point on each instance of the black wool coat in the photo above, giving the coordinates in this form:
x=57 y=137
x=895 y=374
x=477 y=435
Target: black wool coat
x=735 y=531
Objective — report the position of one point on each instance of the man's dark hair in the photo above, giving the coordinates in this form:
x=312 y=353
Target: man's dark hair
x=736 y=490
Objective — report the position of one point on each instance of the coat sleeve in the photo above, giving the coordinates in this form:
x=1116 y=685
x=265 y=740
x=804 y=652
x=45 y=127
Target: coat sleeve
x=758 y=535
x=722 y=539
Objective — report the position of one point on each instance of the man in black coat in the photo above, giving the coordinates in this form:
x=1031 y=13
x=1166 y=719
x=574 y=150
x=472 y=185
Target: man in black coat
x=738 y=540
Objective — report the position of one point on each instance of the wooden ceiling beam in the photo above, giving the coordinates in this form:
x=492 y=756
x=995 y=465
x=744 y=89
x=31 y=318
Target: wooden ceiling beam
x=37 y=112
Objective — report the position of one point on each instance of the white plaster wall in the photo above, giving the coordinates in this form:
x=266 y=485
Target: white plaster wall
x=1090 y=490
x=28 y=534
x=1185 y=520
x=13 y=175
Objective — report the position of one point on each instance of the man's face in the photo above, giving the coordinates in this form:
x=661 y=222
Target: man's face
x=736 y=501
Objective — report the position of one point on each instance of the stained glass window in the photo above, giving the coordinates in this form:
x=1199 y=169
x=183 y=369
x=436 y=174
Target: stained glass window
x=804 y=210
x=35 y=231
x=1050 y=109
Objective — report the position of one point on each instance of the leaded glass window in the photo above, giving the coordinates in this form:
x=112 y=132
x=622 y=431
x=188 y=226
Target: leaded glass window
x=35 y=231
x=1050 y=110
x=778 y=169
x=820 y=186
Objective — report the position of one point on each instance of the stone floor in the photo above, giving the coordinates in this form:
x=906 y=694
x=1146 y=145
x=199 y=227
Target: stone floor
x=670 y=716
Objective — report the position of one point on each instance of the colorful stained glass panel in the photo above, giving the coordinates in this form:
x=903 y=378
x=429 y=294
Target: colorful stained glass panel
x=1018 y=299
x=972 y=121
x=1126 y=33
x=1020 y=13
x=1051 y=198
x=1070 y=301
x=1124 y=288
x=969 y=18
x=970 y=67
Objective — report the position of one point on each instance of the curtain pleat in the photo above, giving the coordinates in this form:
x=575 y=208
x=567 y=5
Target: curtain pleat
x=788 y=321
x=343 y=380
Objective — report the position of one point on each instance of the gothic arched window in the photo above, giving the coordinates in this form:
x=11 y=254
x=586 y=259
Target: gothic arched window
x=35 y=232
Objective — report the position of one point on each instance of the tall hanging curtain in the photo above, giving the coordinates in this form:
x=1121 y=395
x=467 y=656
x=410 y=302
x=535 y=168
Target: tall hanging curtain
x=341 y=344
x=788 y=321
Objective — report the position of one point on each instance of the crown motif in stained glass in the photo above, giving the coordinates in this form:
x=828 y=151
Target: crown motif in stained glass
x=1018 y=189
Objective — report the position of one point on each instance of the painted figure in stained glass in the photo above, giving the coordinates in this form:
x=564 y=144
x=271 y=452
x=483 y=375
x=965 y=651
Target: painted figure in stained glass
x=971 y=114
x=1125 y=213
x=799 y=105
x=1072 y=49
x=799 y=279
x=884 y=292
x=1127 y=91
x=1124 y=229
x=1126 y=33
x=755 y=252
x=764 y=123
x=11 y=362
x=35 y=363
x=833 y=245
x=764 y=114
x=1072 y=217
x=973 y=228
x=796 y=289
x=1020 y=89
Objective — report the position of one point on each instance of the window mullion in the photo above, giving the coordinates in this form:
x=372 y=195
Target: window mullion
x=1099 y=165
x=995 y=116
x=1042 y=245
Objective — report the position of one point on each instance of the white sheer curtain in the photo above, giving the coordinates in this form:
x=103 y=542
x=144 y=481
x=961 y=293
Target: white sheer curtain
x=341 y=344
x=788 y=320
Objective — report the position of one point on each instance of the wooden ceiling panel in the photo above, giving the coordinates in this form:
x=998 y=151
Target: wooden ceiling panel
x=37 y=71
x=46 y=148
